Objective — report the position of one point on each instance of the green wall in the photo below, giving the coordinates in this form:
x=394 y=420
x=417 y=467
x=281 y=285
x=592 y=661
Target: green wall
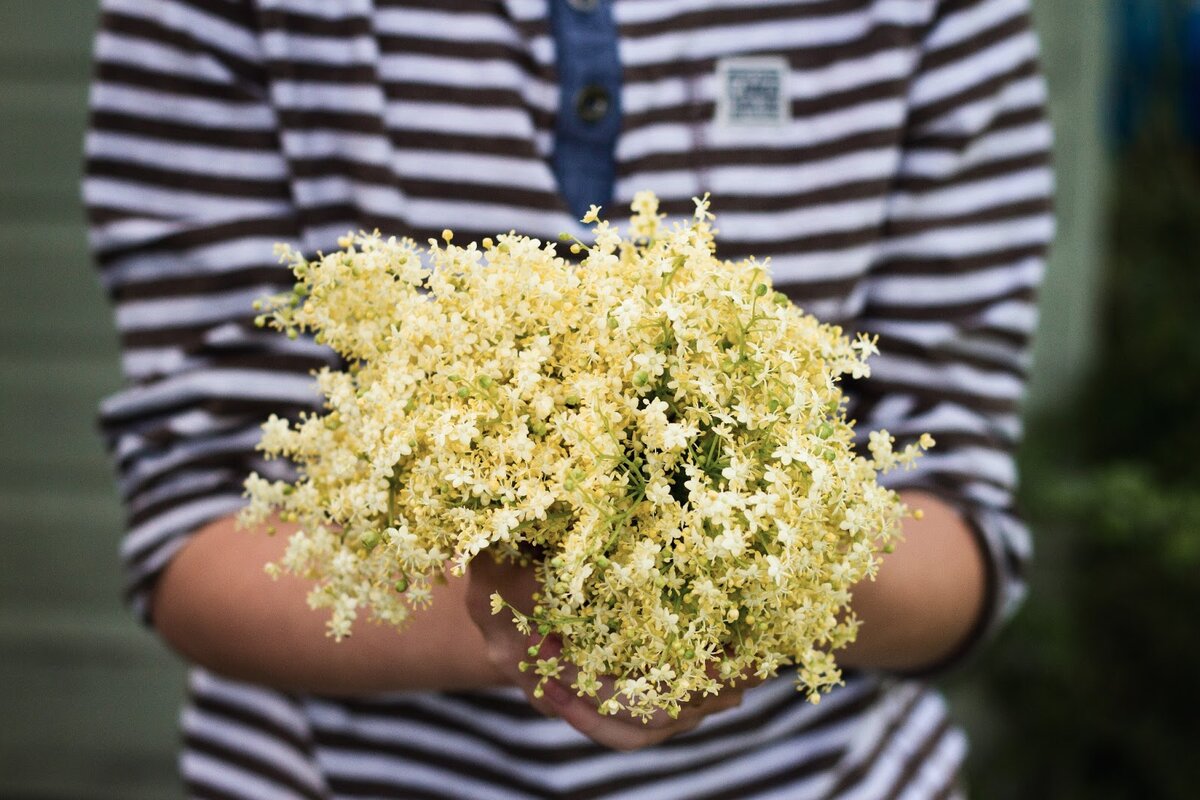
x=87 y=699
x=1075 y=59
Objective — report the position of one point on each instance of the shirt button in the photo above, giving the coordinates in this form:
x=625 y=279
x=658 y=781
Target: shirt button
x=583 y=6
x=592 y=102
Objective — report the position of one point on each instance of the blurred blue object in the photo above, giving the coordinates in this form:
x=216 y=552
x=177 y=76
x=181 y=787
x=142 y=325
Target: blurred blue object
x=1137 y=38
x=1156 y=56
x=1190 y=85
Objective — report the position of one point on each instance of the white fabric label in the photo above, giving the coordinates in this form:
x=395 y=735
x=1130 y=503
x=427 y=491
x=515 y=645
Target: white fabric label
x=752 y=92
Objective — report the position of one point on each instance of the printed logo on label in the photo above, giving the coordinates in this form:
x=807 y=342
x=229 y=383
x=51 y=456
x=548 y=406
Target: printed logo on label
x=752 y=91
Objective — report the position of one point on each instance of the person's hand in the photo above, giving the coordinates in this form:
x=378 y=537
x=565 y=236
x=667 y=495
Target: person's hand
x=507 y=647
x=622 y=731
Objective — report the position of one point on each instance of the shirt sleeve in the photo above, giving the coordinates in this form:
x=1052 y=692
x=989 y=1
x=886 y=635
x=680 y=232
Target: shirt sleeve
x=952 y=296
x=187 y=192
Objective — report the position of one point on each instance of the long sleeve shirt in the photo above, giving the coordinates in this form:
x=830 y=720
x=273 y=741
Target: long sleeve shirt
x=889 y=156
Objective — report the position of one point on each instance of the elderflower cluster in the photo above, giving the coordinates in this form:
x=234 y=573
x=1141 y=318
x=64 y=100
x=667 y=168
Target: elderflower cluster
x=660 y=432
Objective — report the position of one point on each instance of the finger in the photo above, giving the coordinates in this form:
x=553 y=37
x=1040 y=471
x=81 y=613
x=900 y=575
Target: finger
x=552 y=646
x=478 y=594
x=545 y=704
x=696 y=710
x=658 y=721
x=605 y=730
x=516 y=584
x=621 y=732
x=715 y=704
x=622 y=729
x=553 y=693
x=747 y=680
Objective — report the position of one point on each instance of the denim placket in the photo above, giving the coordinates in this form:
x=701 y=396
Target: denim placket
x=589 y=111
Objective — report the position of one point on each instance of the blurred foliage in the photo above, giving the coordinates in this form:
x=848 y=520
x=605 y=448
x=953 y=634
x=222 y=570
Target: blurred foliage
x=1090 y=693
x=1146 y=395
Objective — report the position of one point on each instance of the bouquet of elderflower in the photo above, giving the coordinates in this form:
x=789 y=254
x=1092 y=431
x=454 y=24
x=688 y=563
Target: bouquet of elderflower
x=659 y=431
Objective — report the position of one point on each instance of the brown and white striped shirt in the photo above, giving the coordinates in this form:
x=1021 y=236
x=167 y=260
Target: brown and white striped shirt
x=892 y=160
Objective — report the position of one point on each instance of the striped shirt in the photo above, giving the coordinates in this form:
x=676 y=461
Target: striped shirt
x=889 y=156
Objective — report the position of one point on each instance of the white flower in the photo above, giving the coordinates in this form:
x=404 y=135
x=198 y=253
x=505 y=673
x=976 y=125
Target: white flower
x=503 y=399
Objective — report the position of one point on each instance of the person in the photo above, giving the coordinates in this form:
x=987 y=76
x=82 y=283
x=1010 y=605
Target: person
x=889 y=156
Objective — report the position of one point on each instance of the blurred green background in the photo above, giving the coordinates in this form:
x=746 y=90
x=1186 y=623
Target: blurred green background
x=1086 y=695
x=88 y=700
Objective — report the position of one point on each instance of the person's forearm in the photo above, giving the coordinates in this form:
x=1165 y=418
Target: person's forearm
x=927 y=596
x=217 y=608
